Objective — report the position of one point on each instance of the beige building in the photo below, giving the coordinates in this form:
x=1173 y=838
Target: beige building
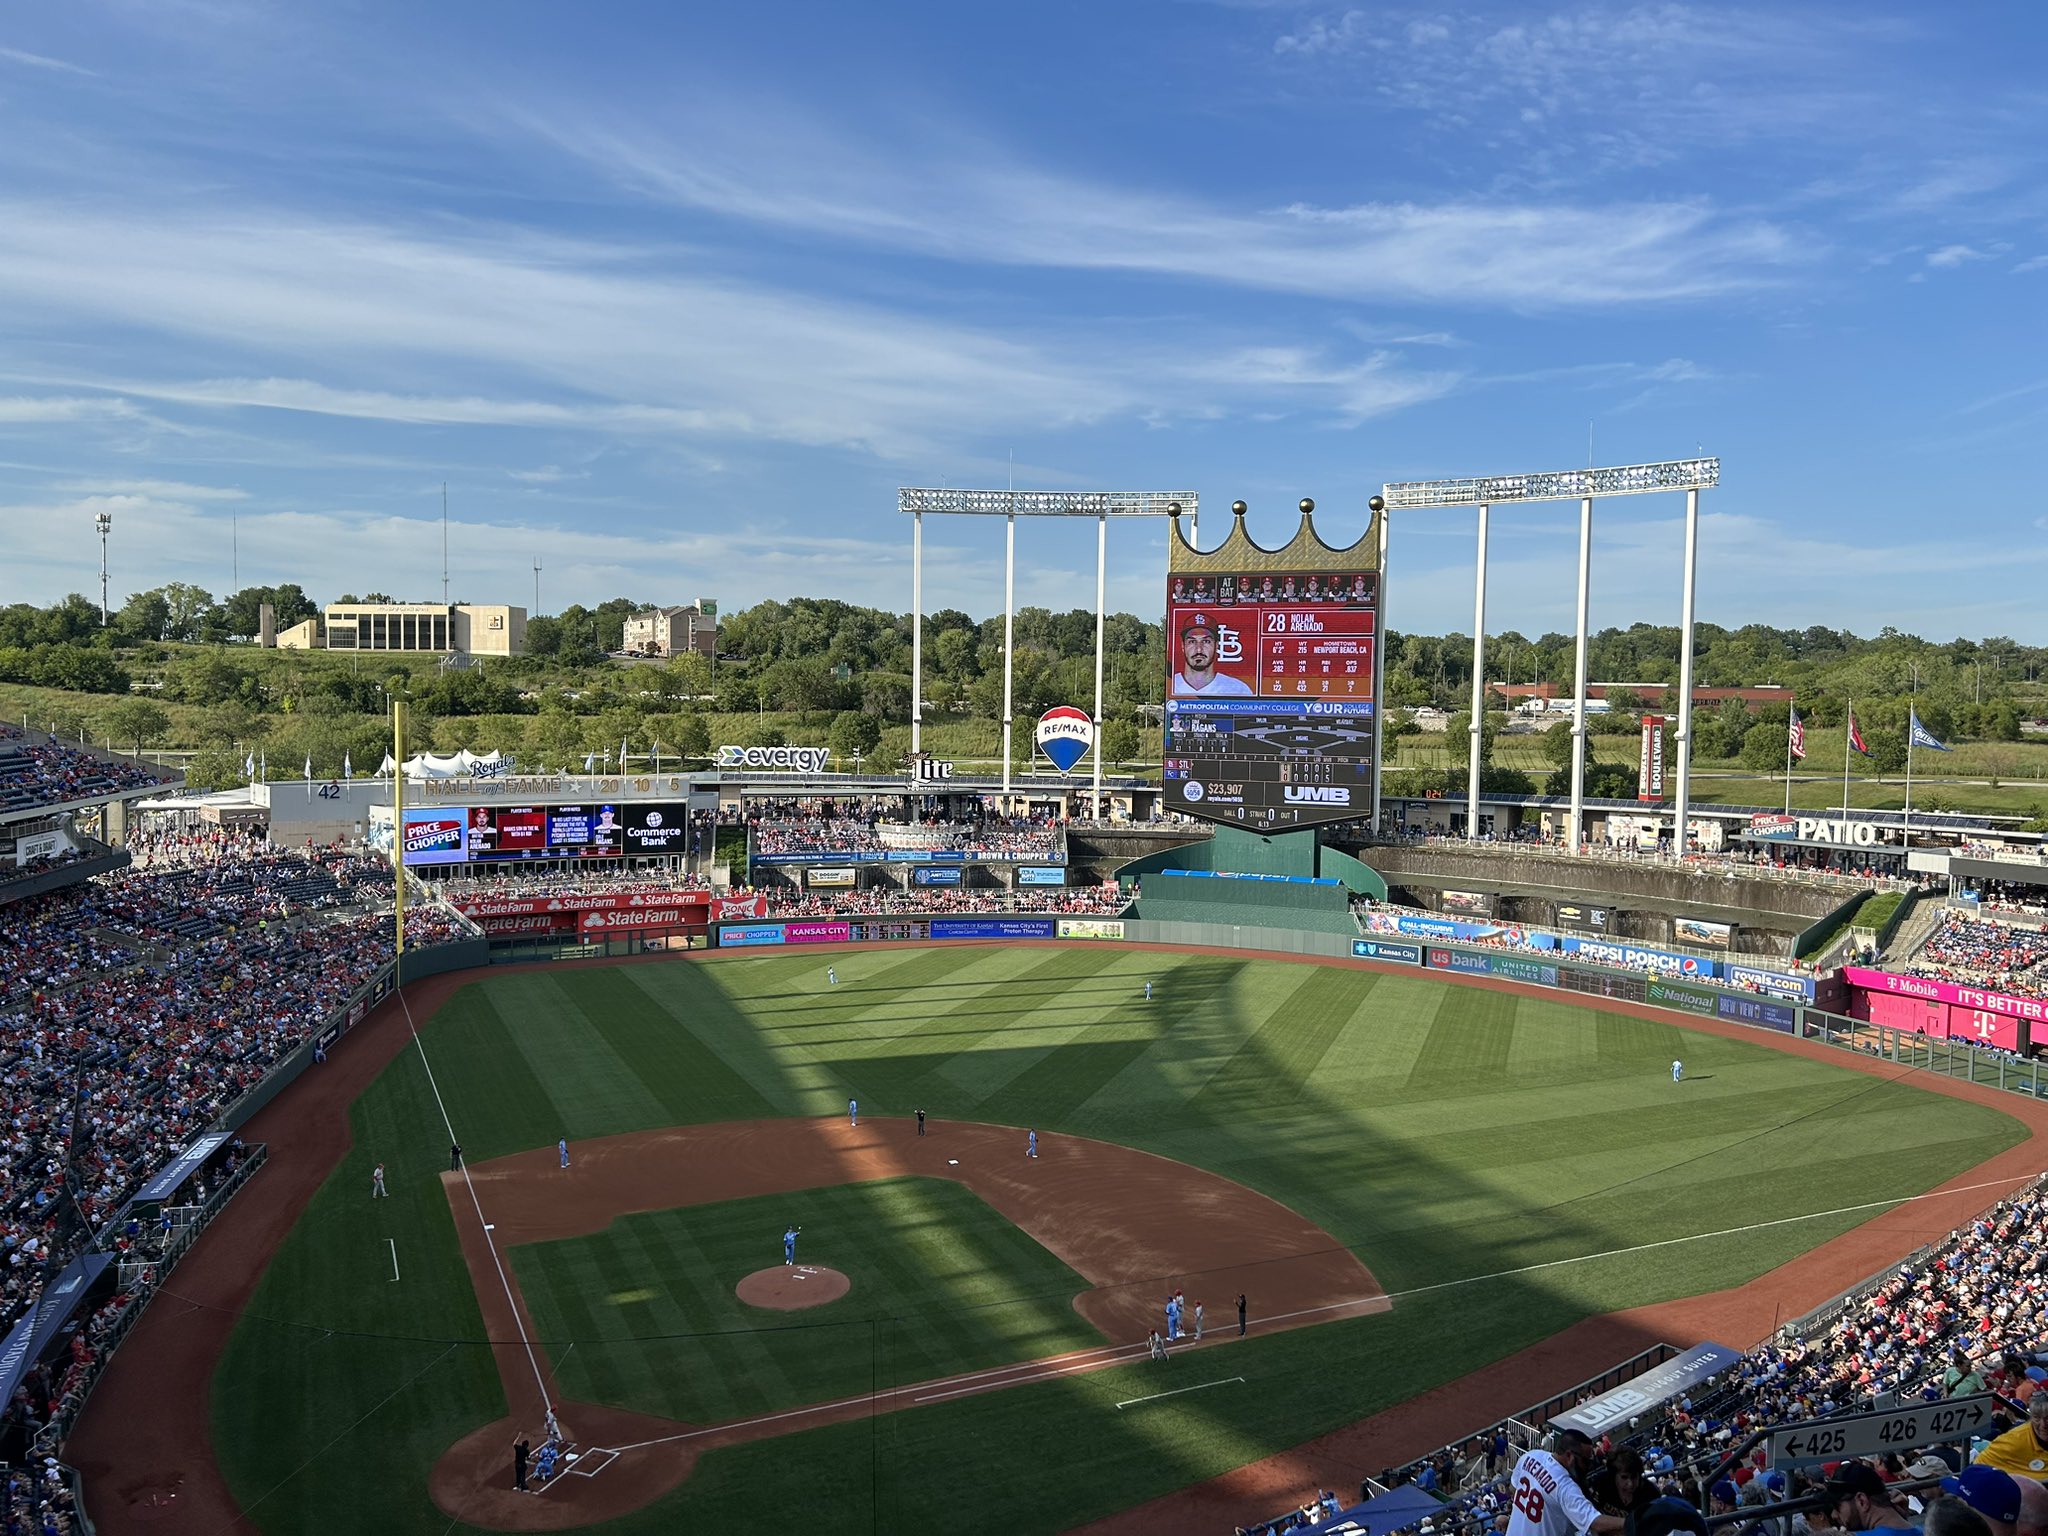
x=472 y=629
x=670 y=631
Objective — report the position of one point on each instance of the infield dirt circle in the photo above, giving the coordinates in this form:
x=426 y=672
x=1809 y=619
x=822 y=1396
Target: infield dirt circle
x=792 y=1287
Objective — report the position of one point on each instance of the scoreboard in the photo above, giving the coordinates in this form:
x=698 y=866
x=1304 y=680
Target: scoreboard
x=1270 y=697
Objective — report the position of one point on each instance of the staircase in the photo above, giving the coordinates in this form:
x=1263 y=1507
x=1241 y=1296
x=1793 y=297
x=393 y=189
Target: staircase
x=1925 y=917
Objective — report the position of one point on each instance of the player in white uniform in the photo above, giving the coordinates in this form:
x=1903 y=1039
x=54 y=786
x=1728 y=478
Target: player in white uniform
x=1544 y=1493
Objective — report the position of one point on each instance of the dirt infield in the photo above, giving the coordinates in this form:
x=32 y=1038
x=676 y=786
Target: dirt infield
x=1126 y=1221
x=144 y=1444
x=792 y=1287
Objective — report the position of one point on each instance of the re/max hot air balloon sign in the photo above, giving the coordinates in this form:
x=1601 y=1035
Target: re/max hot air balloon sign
x=1064 y=735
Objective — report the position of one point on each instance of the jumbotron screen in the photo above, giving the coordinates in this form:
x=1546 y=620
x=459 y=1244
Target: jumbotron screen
x=1269 y=697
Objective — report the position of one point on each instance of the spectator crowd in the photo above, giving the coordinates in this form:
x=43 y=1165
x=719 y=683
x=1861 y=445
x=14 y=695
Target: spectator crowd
x=36 y=772
x=1978 y=952
x=995 y=839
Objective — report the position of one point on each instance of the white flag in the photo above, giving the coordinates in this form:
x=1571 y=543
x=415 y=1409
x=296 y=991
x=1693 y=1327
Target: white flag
x=348 y=768
x=309 y=767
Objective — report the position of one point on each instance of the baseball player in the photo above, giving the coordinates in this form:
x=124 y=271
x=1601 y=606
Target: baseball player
x=1148 y=991
x=1198 y=1322
x=1546 y=1499
x=1677 y=1070
x=1031 y=1143
x=789 y=1244
x=1158 y=1346
x=832 y=975
x=377 y=1189
x=920 y=1122
x=562 y=1147
x=853 y=1112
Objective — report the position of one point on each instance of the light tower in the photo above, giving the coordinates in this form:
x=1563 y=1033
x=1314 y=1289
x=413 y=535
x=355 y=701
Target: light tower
x=105 y=523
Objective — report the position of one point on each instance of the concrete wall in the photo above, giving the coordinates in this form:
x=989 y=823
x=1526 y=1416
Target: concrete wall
x=1754 y=900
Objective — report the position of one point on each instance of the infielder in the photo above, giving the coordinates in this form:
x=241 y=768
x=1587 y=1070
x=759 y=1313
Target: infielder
x=1546 y=1499
x=1677 y=1070
x=562 y=1147
x=377 y=1189
x=853 y=1112
x=789 y=1245
x=1031 y=1144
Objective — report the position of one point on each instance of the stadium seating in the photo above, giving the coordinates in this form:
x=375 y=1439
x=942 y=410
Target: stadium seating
x=34 y=774
x=1978 y=952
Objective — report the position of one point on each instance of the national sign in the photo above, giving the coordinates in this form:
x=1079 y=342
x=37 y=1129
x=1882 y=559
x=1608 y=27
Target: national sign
x=1064 y=735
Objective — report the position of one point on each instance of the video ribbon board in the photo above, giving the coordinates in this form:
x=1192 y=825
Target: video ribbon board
x=1272 y=681
x=573 y=831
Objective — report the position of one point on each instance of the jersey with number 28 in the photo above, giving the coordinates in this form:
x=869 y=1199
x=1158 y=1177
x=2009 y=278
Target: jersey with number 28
x=1545 y=1499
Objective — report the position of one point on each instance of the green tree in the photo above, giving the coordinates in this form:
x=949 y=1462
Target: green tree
x=136 y=720
x=854 y=734
x=1763 y=747
x=214 y=768
x=1119 y=741
x=1557 y=745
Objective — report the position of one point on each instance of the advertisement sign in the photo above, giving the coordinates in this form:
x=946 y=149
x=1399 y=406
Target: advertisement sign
x=1449 y=928
x=1674 y=1378
x=1583 y=917
x=1694 y=1000
x=1470 y=903
x=1509 y=967
x=657 y=828
x=1637 y=958
x=2032 y=1008
x=38 y=845
x=1693 y=930
x=1754 y=1010
x=603 y=901
x=585 y=831
x=1089 y=927
x=1772 y=828
x=436 y=835
x=1041 y=874
x=774 y=759
x=1064 y=735
x=1270 y=694
x=816 y=933
x=596 y=924
x=532 y=922
x=937 y=874
x=1777 y=983
x=726 y=908
x=837 y=877
x=993 y=928
x=1383 y=949
x=748 y=935
x=1650 y=768
x=1460 y=960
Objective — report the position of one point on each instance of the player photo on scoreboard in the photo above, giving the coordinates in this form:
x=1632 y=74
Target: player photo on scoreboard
x=1210 y=657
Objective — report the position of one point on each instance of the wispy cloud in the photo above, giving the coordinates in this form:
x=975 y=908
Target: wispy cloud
x=31 y=410
x=39 y=61
x=1954 y=256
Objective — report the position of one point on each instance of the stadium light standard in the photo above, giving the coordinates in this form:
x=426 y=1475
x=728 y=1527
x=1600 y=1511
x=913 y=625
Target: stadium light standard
x=104 y=521
x=1583 y=486
x=1011 y=505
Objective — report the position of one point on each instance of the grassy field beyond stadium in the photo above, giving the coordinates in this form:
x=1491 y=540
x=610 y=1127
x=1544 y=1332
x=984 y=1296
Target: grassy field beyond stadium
x=1453 y=1137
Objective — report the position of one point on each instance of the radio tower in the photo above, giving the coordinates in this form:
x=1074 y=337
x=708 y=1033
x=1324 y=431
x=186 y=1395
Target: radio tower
x=536 y=586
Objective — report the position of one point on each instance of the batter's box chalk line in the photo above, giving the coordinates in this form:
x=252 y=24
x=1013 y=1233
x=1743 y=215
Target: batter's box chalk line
x=588 y=1464
x=1154 y=1397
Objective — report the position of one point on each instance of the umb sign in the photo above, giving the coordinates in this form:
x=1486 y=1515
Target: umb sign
x=1650 y=774
x=1064 y=735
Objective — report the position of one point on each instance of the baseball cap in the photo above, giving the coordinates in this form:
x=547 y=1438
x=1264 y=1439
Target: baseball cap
x=1666 y=1517
x=1724 y=1491
x=1197 y=621
x=1853 y=1477
x=1990 y=1492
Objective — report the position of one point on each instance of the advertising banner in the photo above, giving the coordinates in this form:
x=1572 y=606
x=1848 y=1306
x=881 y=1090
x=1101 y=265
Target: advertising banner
x=1450 y=928
x=1755 y=1010
x=1695 y=1000
x=1772 y=829
x=532 y=922
x=725 y=908
x=774 y=759
x=1980 y=1027
x=1650 y=769
x=46 y=1320
x=1509 y=967
x=937 y=874
x=596 y=924
x=1673 y=1378
x=658 y=828
x=1090 y=927
x=436 y=835
x=606 y=901
x=816 y=933
x=1470 y=903
x=993 y=928
x=1692 y=930
x=1041 y=874
x=1777 y=983
x=578 y=831
x=1638 y=958
x=837 y=856
x=38 y=845
x=748 y=935
x=1383 y=949
x=1583 y=917
x=2033 y=1008
x=1065 y=735
x=832 y=877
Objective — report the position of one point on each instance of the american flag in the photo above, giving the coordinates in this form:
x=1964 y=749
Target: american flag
x=1856 y=736
x=1798 y=737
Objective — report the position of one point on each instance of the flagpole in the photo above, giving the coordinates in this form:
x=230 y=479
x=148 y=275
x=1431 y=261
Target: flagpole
x=1913 y=719
x=1791 y=721
x=1848 y=735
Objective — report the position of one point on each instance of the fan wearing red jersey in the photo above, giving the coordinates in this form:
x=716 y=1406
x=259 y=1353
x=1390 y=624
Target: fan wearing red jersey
x=1545 y=1496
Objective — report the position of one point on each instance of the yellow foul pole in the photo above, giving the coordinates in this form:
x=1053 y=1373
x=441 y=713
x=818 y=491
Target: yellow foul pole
x=398 y=826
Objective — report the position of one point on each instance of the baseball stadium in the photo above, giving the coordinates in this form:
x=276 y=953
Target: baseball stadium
x=1231 y=1146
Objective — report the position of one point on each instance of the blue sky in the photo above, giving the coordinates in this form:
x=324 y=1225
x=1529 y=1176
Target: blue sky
x=674 y=298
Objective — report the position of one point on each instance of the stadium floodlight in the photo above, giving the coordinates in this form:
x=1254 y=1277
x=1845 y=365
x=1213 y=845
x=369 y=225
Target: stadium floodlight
x=104 y=522
x=1011 y=505
x=1583 y=486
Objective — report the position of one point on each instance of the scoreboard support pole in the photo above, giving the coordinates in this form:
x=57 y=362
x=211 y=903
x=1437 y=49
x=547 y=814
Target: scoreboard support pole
x=1680 y=838
x=1579 y=677
x=916 y=631
x=1101 y=589
x=1478 y=729
x=1009 y=617
x=1379 y=673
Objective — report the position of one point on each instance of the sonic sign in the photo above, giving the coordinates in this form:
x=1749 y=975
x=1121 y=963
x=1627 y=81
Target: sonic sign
x=1272 y=679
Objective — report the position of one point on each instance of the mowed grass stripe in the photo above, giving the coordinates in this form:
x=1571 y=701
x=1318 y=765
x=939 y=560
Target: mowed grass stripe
x=594 y=1090
x=1466 y=1046
x=1283 y=1051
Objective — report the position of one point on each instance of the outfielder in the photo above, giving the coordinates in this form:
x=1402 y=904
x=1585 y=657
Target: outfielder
x=1148 y=991
x=1677 y=1070
x=1545 y=1497
x=377 y=1189
x=831 y=975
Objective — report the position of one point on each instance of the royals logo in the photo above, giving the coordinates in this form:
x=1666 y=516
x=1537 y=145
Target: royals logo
x=1064 y=735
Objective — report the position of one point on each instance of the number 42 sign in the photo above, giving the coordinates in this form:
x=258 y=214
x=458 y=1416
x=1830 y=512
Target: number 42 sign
x=1872 y=1434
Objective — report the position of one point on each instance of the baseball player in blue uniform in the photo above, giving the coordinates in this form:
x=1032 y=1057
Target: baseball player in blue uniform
x=562 y=1147
x=1677 y=1070
x=1148 y=991
x=853 y=1112
x=789 y=1245
x=1031 y=1144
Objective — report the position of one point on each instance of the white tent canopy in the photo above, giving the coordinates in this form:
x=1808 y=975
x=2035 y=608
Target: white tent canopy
x=463 y=765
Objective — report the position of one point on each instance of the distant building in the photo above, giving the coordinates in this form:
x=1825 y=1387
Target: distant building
x=469 y=629
x=1555 y=696
x=671 y=631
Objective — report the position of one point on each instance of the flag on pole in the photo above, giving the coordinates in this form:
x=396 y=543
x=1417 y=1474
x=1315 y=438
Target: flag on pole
x=348 y=768
x=309 y=767
x=1856 y=736
x=589 y=761
x=1923 y=737
x=249 y=767
x=1798 y=737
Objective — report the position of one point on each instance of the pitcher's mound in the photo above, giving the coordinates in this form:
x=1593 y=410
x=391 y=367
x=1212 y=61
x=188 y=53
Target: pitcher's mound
x=792 y=1287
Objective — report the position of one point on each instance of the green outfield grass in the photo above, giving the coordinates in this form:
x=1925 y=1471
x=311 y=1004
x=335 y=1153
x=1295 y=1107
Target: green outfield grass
x=1502 y=1163
x=650 y=1302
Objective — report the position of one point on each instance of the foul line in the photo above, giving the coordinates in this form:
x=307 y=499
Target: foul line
x=1132 y=1402
x=519 y=1322
x=394 y=1258
x=1032 y=1371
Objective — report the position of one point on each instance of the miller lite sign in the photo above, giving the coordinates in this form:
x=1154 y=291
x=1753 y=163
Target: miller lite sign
x=926 y=767
x=1064 y=735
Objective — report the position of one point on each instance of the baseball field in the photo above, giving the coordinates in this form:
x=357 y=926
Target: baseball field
x=1426 y=1177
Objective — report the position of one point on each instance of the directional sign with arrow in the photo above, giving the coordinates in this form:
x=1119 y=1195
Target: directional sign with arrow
x=1872 y=1434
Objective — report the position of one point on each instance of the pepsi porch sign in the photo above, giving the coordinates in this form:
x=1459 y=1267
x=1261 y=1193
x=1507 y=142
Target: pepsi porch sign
x=1065 y=735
